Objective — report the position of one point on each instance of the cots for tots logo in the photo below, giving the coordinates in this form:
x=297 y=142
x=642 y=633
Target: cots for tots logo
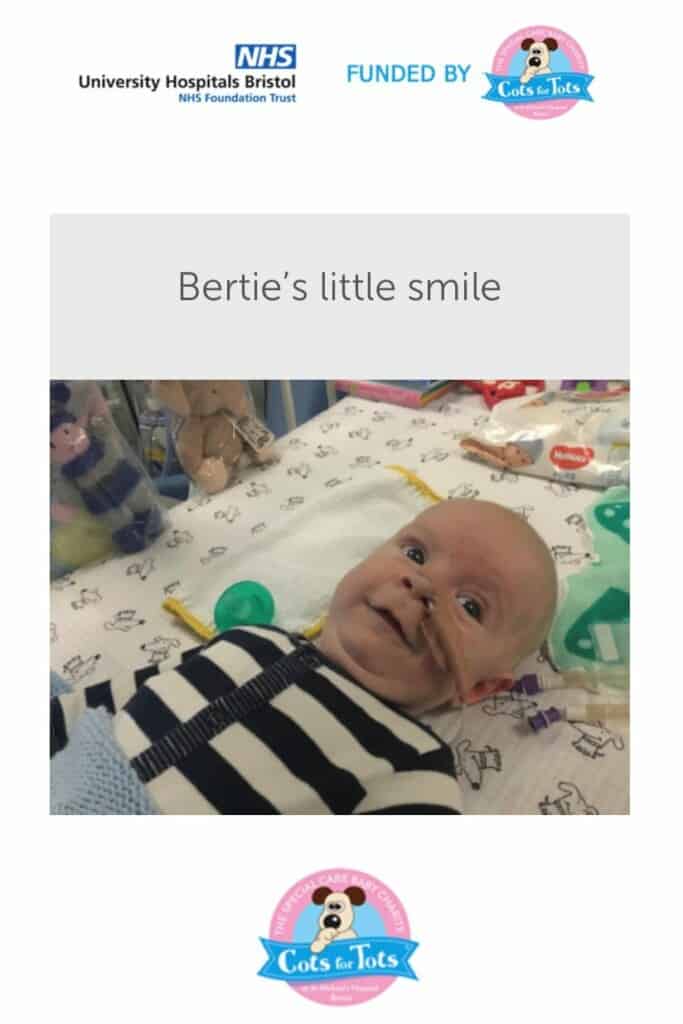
x=339 y=937
x=539 y=72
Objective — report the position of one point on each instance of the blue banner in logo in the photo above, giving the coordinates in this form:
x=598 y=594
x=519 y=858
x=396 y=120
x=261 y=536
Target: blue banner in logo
x=350 y=958
x=565 y=85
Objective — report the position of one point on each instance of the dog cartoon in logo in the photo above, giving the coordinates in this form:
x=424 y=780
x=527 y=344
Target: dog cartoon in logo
x=538 y=57
x=336 y=918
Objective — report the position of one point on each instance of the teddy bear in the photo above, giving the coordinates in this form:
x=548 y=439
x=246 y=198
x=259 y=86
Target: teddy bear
x=216 y=424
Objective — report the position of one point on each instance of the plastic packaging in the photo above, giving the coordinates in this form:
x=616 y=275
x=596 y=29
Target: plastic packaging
x=102 y=501
x=558 y=435
x=152 y=422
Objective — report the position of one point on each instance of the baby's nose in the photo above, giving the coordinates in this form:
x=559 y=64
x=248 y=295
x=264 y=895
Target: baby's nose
x=420 y=586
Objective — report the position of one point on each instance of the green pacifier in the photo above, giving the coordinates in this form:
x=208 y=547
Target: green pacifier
x=246 y=603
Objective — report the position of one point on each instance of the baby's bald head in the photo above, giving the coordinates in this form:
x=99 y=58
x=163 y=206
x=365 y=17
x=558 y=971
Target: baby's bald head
x=515 y=553
x=477 y=554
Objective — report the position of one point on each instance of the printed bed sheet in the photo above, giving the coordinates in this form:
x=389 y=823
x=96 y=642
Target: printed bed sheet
x=109 y=616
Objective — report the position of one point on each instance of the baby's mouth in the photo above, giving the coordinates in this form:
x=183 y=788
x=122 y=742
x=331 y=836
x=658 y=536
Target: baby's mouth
x=394 y=623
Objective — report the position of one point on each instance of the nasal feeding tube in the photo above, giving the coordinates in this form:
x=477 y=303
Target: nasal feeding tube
x=442 y=630
x=531 y=685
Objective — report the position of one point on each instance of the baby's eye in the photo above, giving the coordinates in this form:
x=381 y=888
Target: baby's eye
x=415 y=553
x=471 y=606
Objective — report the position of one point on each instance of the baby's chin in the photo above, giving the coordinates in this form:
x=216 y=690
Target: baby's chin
x=402 y=678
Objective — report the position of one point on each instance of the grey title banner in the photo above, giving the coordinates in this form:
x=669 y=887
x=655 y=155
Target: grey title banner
x=283 y=296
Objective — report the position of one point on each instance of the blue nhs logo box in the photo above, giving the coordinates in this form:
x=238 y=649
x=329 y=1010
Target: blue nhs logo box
x=265 y=55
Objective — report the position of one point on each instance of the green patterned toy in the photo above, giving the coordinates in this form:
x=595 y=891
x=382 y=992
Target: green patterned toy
x=591 y=629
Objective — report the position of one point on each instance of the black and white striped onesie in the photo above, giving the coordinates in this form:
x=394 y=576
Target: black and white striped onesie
x=260 y=722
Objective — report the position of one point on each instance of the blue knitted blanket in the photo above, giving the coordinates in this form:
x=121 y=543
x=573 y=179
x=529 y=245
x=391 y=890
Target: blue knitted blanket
x=92 y=775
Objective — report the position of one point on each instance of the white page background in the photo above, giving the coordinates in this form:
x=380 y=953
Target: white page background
x=517 y=918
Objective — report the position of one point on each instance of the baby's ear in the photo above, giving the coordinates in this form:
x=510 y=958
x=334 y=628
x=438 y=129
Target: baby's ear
x=487 y=687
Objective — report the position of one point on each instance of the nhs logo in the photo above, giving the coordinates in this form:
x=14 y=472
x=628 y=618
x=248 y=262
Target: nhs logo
x=265 y=55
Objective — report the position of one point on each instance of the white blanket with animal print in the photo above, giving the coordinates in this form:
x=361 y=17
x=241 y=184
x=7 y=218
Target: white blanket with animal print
x=110 y=616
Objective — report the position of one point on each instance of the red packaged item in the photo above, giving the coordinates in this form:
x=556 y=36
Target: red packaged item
x=494 y=391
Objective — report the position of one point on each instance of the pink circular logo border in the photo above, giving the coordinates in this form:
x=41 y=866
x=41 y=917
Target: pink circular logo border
x=509 y=49
x=347 y=992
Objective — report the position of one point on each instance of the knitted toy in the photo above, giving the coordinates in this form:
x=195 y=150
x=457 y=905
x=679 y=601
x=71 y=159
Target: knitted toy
x=90 y=456
x=216 y=425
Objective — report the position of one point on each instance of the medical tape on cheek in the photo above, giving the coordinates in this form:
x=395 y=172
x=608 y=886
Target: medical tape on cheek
x=434 y=645
x=443 y=621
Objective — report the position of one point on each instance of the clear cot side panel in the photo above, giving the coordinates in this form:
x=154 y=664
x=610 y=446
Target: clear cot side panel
x=102 y=500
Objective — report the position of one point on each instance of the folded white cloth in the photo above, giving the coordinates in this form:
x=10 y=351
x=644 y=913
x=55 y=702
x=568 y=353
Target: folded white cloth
x=302 y=556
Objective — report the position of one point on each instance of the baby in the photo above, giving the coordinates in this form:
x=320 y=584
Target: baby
x=261 y=722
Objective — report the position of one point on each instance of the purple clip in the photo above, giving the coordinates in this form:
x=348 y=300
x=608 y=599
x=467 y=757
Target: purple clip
x=594 y=385
x=542 y=719
x=528 y=685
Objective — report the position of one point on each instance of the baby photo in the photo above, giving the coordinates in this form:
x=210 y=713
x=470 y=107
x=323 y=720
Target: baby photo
x=339 y=597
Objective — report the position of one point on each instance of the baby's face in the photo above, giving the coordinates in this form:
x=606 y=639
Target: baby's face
x=477 y=562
